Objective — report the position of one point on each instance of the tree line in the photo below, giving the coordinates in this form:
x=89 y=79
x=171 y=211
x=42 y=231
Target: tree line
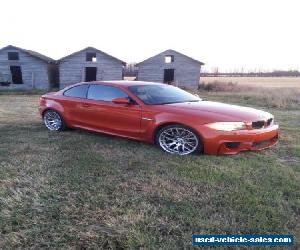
x=131 y=70
x=275 y=73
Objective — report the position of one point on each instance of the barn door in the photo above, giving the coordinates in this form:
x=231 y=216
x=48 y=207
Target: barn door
x=90 y=74
x=169 y=76
x=16 y=74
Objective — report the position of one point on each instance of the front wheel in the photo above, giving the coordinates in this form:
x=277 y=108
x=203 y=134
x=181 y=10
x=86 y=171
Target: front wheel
x=53 y=121
x=177 y=139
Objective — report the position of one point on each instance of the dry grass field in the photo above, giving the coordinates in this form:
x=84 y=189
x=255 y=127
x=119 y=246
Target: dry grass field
x=80 y=190
x=270 y=92
x=267 y=82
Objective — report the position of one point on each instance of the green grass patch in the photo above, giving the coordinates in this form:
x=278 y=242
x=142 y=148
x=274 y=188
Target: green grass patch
x=77 y=189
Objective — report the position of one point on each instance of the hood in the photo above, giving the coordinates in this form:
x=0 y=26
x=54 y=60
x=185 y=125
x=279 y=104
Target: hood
x=232 y=112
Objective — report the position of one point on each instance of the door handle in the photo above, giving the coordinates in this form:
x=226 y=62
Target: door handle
x=85 y=105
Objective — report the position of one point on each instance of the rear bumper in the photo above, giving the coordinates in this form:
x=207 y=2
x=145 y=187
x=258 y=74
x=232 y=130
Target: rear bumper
x=220 y=142
x=41 y=110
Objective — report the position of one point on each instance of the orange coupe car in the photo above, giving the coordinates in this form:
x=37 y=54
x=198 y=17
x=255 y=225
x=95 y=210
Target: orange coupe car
x=177 y=121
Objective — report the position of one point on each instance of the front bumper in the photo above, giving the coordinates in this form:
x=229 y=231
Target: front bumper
x=221 y=142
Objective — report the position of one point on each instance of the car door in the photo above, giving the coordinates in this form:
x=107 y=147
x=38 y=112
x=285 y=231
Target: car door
x=104 y=115
x=74 y=104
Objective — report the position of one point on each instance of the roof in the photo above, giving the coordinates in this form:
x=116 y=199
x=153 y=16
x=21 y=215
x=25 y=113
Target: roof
x=92 y=48
x=31 y=53
x=170 y=51
x=120 y=83
x=130 y=83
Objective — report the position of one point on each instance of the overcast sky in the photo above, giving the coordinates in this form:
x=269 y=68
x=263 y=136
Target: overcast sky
x=231 y=34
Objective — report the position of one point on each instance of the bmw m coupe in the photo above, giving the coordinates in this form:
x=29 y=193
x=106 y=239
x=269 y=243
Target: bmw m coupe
x=177 y=121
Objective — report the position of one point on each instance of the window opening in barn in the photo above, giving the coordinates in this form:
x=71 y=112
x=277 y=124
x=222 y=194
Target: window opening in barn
x=13 y=56
x=16 y=74
x=169 y=76
x=90 y=74
x=169 y=59
x=91 y=57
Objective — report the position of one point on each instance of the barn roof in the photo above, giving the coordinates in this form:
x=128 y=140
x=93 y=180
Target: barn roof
x=92 y=48
x=170 y=51
x=31 y=53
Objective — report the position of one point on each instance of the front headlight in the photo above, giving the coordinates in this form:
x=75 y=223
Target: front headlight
x=227 y=126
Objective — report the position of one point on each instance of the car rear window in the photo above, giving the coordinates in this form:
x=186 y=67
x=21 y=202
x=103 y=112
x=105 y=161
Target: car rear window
x=77 y=91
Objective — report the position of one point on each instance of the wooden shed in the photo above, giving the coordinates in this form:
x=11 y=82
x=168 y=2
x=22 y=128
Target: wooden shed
x=87 y=65
x=171 y=67
x=26 y=69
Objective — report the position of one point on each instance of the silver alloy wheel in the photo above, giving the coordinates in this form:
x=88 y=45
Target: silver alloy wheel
x=178 y=140
x=52 y=120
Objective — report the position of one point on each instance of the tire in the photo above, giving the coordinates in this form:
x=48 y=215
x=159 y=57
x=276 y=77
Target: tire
x=53 y=121
x=179 y=140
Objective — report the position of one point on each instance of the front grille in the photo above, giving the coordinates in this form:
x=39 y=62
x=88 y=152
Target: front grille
x=269 y=121
x=232 y=145
x=258 y=124
x=261 y=144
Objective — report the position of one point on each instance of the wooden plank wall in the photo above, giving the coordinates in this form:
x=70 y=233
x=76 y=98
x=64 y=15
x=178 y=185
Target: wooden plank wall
x=34 y=70
x=72 y=69
x=187 y=71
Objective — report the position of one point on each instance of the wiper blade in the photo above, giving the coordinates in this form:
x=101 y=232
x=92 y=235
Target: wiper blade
x=195 y=100
x=162 y=103
x=181 y=102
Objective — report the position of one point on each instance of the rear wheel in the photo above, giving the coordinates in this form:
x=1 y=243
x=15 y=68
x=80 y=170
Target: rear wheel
x=178 y=139
x=53 y=121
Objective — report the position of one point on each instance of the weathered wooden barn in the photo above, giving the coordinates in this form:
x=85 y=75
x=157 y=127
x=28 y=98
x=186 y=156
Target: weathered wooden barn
x=26 y=69
x=87 y=65
x=171 y=67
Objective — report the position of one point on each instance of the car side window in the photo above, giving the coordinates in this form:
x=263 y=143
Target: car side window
x=104 y=93
x=77 y=91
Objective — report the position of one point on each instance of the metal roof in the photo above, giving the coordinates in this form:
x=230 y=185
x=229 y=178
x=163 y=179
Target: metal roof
x=170 y=51
x=31 y=53
x=94 y=49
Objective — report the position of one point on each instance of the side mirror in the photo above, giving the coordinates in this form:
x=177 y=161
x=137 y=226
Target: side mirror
x=121 y=100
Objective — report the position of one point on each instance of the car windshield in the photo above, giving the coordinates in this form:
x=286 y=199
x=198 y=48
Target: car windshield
x=162 y=94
